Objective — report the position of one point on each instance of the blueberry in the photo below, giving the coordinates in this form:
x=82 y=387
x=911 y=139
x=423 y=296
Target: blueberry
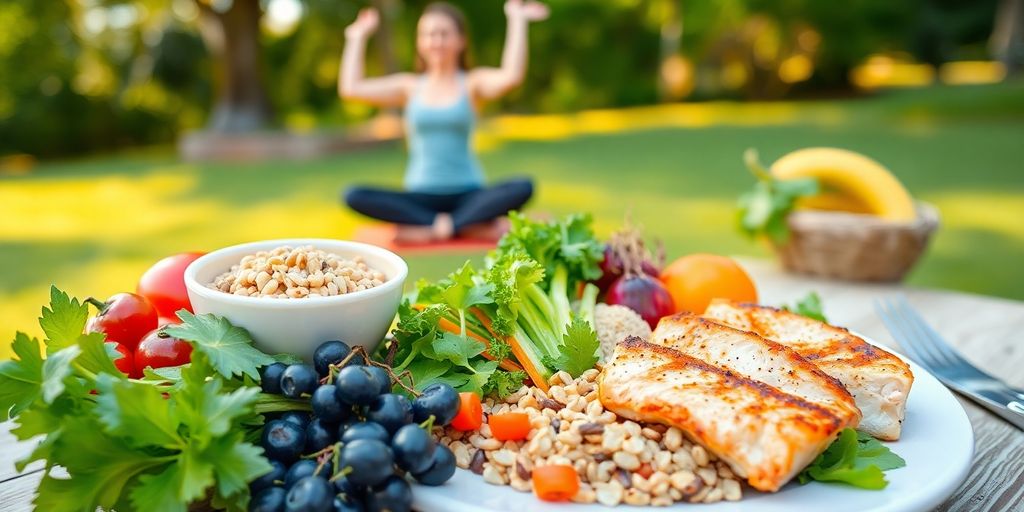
x=343 y=486
x=347 y=424
x=438 y=399
x=270 y=499
x=394 y=495
x=304 y=468
x=297 y=417
x=326 y=405
x=328 y=353
x=391 y=411
x=276 y=473
x=347 y=504
x=441 y=469
x=310 y=494
x=297 y=380
x=270 y=378
x=413 y=448
x=382 y=378
x=365 y=430
x=357 y=385
x=371 y=461
x=283 y=441
x=320 y=435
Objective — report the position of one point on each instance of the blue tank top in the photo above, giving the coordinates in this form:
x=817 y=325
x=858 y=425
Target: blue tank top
x=440 y=158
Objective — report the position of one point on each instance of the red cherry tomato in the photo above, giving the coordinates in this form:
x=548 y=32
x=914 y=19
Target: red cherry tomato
x=164 y=284
x=124 y=318
x=126 y=362
x=161 y=350
x=167 y=320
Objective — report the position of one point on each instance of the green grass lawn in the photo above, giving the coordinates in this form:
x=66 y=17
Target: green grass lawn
x=91 y=226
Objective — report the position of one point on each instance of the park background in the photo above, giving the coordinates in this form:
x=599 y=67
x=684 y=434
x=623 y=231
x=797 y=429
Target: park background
x=639 y=106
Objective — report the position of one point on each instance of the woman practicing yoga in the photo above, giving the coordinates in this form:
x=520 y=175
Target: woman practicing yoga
x=445 y=194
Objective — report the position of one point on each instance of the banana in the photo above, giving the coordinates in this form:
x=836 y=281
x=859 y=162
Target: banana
x=849 y=182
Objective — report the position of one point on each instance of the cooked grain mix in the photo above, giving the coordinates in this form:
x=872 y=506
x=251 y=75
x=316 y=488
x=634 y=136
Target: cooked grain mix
x=295 y=273
x=610 y=454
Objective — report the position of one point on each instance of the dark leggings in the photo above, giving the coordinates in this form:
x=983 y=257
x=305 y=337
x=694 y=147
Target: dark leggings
x=419 y=208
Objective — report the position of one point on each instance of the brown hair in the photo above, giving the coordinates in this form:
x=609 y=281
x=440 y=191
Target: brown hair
x=459 y=19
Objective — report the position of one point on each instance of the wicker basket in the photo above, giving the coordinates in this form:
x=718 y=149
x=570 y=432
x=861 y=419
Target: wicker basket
x=855 y=247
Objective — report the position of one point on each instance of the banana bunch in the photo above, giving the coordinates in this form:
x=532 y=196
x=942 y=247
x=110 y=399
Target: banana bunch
x=848 y=182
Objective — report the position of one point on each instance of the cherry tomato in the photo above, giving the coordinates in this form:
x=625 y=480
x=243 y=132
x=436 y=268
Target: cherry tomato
x=161 y=350
x=167 y=320
x=164 y=284
x=126 y=362
x=124 y=318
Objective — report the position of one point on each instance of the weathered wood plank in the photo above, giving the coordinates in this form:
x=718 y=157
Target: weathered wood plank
x=16 y=495
x=11 y=450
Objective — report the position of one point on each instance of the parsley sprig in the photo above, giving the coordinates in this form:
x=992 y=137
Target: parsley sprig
x=158 y=443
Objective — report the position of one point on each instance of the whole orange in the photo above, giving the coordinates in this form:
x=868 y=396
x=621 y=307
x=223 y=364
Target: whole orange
x=696 y=279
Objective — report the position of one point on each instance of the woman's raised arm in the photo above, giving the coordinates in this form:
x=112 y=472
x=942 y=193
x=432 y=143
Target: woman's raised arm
x=491 y=83
x=387 y=91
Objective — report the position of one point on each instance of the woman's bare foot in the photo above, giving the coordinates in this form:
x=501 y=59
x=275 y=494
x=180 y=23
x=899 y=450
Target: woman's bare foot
x=443 y=228
x=409 y=234
x=491 y=231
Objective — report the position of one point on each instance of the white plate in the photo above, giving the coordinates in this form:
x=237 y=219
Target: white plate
x=937 y=443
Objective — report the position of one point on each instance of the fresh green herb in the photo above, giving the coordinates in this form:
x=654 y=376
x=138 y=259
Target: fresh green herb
x=763 y=210
x=504 y=383
x=809 y=306
x=431 y=354
x=525 y=296
x=136 y=444
x=578 y=350
x=228 y=347
x=855 y=458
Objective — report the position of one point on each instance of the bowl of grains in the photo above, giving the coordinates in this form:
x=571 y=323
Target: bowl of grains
x=292 y=295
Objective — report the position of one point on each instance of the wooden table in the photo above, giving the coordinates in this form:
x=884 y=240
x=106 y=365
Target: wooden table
x=988 y=331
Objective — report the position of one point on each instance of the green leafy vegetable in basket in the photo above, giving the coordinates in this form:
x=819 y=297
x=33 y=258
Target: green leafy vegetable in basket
x=763 y=211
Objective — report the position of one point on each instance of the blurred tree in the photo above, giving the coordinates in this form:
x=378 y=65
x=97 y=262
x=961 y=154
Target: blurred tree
x=89 y=75
x=231 y=30
x=1007 y=40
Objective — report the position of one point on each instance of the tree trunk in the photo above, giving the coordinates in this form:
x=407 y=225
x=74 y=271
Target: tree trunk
x=232 y=37
x=1007 y=40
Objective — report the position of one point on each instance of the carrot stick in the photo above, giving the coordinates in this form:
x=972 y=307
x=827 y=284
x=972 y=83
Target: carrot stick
x=517 y=350
x=448 y=325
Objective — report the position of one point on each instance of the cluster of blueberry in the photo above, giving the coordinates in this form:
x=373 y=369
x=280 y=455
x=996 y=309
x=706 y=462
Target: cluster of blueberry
x=360 y=443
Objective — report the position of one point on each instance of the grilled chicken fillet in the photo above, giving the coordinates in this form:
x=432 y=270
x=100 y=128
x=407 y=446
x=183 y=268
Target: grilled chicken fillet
x=878 y=380
x=760 y=359
x=765 y=435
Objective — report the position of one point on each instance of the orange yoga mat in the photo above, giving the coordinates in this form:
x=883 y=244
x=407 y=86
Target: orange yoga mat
x=383 y=235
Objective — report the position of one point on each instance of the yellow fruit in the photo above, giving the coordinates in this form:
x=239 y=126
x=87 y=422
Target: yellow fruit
x=849 y=181
x=832 y=201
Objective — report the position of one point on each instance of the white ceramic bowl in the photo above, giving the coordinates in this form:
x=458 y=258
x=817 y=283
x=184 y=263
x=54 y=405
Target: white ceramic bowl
x=298 y=326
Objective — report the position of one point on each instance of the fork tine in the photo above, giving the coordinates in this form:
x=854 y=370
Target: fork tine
x=928 y=337
x=900 y=334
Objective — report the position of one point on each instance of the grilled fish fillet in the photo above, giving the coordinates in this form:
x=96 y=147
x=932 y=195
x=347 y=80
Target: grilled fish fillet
x=765 y=435
x=878 y=380
x=763 y=360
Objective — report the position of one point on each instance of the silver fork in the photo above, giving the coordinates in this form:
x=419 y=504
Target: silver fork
x=934 y=354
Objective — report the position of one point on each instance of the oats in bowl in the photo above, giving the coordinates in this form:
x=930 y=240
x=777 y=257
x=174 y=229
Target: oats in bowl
x=294 y=273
